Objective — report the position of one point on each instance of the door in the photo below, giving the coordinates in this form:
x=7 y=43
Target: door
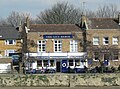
x=64 y=66
x=106 y=59
x=58 y=66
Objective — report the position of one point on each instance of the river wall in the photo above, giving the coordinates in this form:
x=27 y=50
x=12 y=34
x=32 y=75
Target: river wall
x=60 y=80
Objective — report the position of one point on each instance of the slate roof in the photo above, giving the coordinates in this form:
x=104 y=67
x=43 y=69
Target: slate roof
x=54 y=28
x=103 y=23
x=9 y=32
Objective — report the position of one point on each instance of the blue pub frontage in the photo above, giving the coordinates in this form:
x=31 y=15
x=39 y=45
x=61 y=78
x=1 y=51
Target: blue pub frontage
x=57 y=62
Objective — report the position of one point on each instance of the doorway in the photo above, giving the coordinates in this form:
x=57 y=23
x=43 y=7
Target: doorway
x=106 y=59
x=58 y=66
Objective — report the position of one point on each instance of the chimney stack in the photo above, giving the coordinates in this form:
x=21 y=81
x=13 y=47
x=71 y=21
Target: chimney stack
x=27 y=22
x=84 y=22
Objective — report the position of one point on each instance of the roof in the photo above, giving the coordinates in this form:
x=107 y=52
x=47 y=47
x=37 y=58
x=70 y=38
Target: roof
x=103 y=23
x=9 y=32
x=54 y=28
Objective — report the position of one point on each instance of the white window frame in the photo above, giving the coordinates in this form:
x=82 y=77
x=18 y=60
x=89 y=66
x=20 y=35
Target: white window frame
x=59 y=46
x=73 y=46
x=7 y=42
x=95 y=40
x=9 y=51
x=104 y=41
x=115 y=40
x=41 y=42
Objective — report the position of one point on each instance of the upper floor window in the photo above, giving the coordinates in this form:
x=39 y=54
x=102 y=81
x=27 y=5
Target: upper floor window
x=95 y=40
x=73 y=46
x=105 y=40
x=57 y=46
x=41 y=46
x=115 y=40
x=10 y=42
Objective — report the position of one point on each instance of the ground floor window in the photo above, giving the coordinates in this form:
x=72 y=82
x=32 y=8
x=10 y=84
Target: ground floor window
x=106 y=56
x=52 y=64
x=77 y=62
x=70 y=62
x=45 y=63
x=39 y=63
x=116 y=57
x=9 y=52
x=96 y=56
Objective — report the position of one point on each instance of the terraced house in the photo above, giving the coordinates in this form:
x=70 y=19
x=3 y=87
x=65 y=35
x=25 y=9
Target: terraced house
x=93 y=42
x=103 y=35
x=10 y=42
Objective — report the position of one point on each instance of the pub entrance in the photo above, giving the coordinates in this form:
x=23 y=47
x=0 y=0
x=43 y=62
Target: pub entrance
x=58 y=69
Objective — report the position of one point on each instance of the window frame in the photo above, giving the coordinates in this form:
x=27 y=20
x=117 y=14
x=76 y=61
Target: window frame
x=70 y=62
x=115 y=54
x=94 y=41
x=57 y=45
x=40 y=48
x=77 y=61
x=114 y=41
x=7 y=42
x=7 y=52
x=73 y=46
x=104 y=41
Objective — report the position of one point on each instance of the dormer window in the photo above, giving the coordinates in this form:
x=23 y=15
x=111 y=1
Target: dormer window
x=10 y=42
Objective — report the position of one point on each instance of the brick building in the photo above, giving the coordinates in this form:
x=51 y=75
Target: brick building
x=10 y=42
x=58 y=47
x=103 y=35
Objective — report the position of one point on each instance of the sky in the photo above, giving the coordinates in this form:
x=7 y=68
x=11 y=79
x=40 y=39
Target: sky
x=34 y=7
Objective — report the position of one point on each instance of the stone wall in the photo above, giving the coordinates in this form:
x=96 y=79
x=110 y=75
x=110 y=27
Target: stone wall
x=66 y=80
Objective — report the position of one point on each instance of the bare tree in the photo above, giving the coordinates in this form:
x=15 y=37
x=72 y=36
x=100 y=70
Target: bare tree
x=107 y=11
x=15 y=18
x=60 y=13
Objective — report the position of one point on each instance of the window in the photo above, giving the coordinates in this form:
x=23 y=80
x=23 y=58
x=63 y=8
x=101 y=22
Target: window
x=45 y=62
x=77 y=62
x=70 y=62
x=10 y=42
x=116 y=56
x=96 y=41
x=39 y=63
x=105 y=41
x=115 y=40
x=41 y=46
x=52 y=64
x=73 y=46
x=57 y=46
x=9 y=52
x=96 y=56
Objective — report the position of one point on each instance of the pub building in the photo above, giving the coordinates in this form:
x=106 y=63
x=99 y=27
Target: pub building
x=57 y=48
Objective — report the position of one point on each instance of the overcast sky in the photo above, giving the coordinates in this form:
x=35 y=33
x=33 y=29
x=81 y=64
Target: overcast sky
x=36 y=6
